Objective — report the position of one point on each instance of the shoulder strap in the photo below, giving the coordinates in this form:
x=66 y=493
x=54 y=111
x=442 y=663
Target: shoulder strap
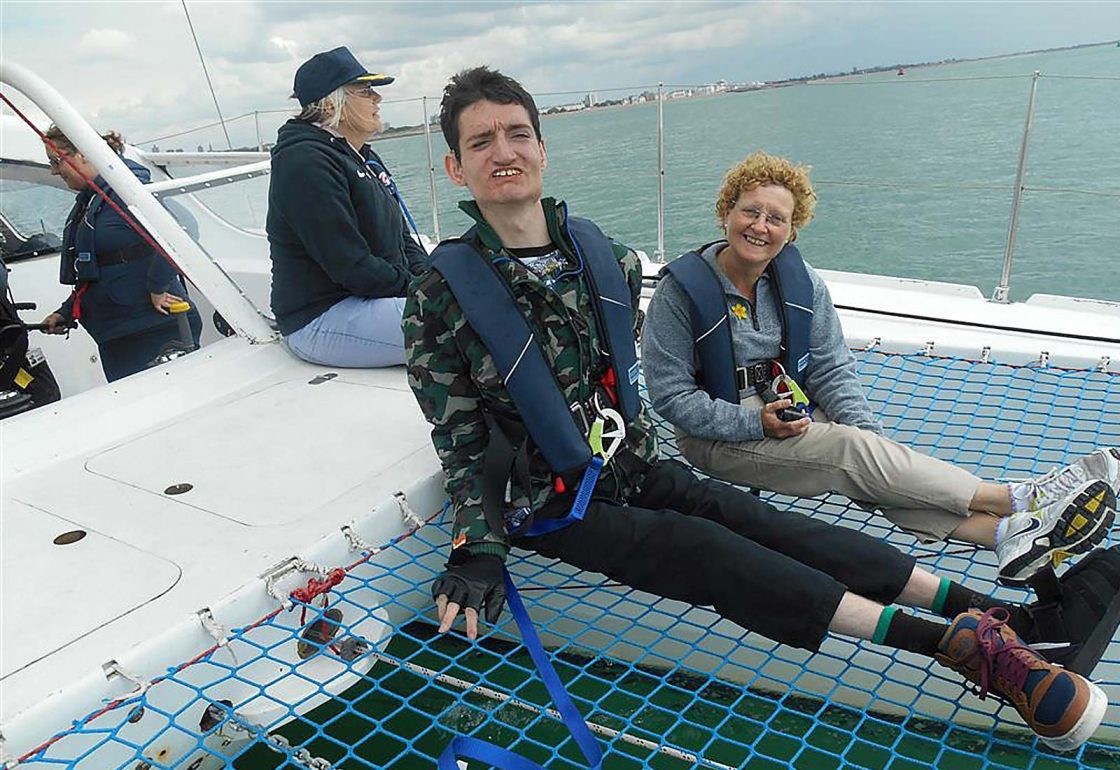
x=612 y=302
x=711 y=329
x=793 y=290
x=489 y=307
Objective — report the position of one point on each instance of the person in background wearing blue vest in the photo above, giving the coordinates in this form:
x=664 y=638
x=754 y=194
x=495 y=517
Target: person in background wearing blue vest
x=520 y=345
x=771 y=328
x=341 y=252
x=123 y=288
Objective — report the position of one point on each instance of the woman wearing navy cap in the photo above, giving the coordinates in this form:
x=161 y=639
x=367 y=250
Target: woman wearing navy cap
x=341 y=252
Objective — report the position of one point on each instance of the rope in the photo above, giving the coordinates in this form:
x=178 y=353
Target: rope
x=206 y=72
x=96 y=188
x=316 y=587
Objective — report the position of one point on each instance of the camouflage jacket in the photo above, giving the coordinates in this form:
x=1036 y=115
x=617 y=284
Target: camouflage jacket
x=455 y=380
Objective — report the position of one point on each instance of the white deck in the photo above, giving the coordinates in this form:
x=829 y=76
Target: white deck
x=276 y=463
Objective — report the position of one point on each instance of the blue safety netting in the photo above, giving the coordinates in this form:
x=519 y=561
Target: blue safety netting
x=664 y=685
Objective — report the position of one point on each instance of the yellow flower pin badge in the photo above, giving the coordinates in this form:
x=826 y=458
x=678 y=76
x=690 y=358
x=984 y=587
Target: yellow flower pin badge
x=739 y=311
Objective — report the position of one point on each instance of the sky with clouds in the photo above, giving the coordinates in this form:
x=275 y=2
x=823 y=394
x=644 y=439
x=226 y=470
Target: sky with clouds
x=133 y=66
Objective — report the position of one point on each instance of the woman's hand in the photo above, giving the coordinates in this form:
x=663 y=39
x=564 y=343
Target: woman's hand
x=55 y=323
x=774 y=427
x=163 y=301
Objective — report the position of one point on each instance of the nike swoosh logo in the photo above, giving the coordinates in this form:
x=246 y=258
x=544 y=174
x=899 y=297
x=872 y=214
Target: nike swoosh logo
x=1052 y=645
x=1032 y=525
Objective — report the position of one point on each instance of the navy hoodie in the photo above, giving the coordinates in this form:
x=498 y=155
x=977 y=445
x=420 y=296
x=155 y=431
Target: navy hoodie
x=334 y=229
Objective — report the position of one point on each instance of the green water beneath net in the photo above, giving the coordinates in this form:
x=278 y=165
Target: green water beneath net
x=399 y=720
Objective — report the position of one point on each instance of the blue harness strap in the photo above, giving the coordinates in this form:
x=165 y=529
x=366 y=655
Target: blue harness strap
x=579 y=505
x=504 y=759
x=793 y=291
x=386 y=178
x=490 y=309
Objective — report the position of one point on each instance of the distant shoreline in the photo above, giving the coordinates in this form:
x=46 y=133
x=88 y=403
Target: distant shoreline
x=819 y=77
x=919 y=65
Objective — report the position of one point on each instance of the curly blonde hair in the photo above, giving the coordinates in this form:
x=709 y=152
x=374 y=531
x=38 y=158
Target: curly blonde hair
x=759 y=169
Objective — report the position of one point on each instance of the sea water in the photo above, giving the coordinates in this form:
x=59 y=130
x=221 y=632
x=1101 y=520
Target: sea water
x=915 y=174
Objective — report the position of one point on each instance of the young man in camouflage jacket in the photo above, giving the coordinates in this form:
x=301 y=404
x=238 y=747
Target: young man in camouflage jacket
x=652 y=524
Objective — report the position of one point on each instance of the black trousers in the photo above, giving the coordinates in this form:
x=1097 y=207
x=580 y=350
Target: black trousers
x=777 y=573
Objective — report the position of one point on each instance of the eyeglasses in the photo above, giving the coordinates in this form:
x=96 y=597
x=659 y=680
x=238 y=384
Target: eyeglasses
x=774 y=220
x=366 y=89
x=55 y=161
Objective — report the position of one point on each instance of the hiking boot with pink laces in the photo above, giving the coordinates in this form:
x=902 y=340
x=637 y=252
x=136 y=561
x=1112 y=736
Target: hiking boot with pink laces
x=1061 y=707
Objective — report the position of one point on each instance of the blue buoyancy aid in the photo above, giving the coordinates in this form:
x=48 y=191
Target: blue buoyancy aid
x=489 y=307
x=711 y=327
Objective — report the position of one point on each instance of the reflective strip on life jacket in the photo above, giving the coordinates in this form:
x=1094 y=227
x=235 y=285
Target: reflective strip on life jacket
x=793 y=289
x=610 y=296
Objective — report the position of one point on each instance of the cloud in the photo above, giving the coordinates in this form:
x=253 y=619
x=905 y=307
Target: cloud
x=285 y=45
x=110 y=43
x=133 y=66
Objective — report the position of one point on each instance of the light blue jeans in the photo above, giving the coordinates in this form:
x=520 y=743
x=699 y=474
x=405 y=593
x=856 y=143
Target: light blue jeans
x=355 y=333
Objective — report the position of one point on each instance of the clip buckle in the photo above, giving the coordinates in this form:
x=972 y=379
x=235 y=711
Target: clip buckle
x=580 y=415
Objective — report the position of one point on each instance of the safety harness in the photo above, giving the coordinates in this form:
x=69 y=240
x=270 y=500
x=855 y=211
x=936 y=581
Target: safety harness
x=711 y=327
x=81 y=263
x=377 y=167
x=568 y=439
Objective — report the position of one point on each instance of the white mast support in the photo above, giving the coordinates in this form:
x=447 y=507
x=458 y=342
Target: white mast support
x=431 y=169
x=206 y=274
x=208 y=180
x=1003 y=291
x=660 y=254
x=211 y=159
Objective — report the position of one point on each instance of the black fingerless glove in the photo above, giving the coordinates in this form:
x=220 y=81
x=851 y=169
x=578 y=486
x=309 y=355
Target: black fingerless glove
x=475 y=582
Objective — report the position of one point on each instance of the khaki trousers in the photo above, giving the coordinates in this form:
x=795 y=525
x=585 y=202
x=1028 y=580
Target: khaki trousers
x=927 y=497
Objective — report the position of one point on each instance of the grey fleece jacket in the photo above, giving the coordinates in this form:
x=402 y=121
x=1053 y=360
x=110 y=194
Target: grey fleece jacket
x=670 y=360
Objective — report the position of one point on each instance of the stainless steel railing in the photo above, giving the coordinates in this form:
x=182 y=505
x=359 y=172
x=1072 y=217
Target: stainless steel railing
x=1004 y=288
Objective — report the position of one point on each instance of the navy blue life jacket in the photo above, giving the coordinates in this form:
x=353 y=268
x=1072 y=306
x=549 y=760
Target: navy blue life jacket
x=711 y=328
x=488 y=304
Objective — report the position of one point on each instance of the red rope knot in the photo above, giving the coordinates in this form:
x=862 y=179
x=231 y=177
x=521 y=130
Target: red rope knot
x=316 y=587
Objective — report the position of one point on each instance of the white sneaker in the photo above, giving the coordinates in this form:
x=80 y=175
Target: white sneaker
x=1073 y=525
x=1036 y=494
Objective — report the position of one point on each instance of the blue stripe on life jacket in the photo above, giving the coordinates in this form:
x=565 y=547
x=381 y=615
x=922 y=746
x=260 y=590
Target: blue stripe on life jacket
x=490 y=309
x=793 y=291
x=711 y=329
